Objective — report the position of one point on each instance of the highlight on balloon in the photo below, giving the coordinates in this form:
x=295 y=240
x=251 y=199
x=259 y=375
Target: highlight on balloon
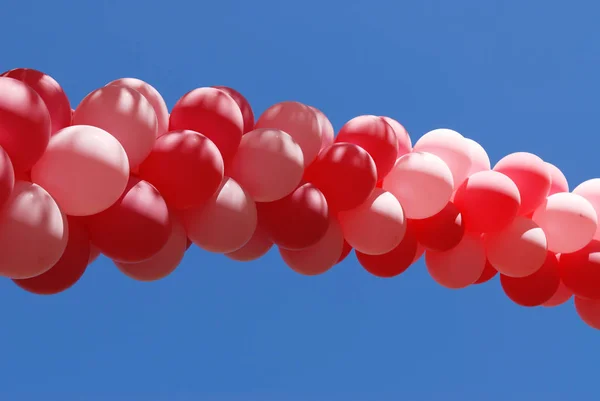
x=120 y=175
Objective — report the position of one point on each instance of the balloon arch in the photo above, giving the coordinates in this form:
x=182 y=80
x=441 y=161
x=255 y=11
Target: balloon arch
x=121 y=176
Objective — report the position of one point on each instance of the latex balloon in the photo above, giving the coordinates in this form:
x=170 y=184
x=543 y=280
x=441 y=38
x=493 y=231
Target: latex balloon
x=33 y=232
x=297 y=221
x=7 y=177
x=375 y=227
x=188 y=245
x=589 y=311
x=162 y=263
x=23 y=176
x=268 y=164
x=345 y=251
x=488 y=201
x=125 y=114
x=94 y=253
x=422 y=182
x=459 y=267
x=442 y=231
x=135 y=227
x=488 y=273
x=186 y=167
x=420 y=253
x=590 y=190
x=480 y=161
x=451 y=147
x=69 y=268
x=153 y=97
x=345 y=173
x=297 y=120
x=320 y=257
x=562 y=295
x=580 y=271
x=327 y=132
x=244 y=105
x=374 y=135
x=558 y=181
x=225 y=223
x=24 y=123
x=50 y=91
x=84 y=168
x=530 y=174
x=535 y=289
x=257 y=247
x=569 y=221
x=402 y=136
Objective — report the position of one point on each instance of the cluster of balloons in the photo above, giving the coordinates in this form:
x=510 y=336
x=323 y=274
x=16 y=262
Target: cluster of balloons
x=121 y=176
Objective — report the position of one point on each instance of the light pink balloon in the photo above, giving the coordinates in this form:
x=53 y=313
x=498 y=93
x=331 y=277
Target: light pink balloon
x=404 y=142
x=558 y=181
x=569 y=221
x=459 y=267
x=519 y=250
x=84 y=168
x=590 y=190
x=375 y=227
x=318 y=258
x=225 y=223
x=33 y=232
x=327 y=132
x=480 y=161
x=125 y=114
x=422 y=182
x=164 y=262
x=153 y=96
x=451 y=147
x=297 y=120
x=268 y=164
x=254 y=249
x=562 y=295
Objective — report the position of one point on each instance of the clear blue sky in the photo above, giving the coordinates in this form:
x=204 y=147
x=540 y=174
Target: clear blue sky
x=514 y=75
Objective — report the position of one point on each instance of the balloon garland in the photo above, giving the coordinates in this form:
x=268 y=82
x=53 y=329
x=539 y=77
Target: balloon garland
x=121 y=176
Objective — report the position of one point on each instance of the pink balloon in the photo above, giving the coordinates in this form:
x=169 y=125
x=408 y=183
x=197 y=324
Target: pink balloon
x=459 y=267
x=320 y=257
x=590 y=190
x=297 y=120
x=422 y=182
x=558 y=181
x=164 y=262
x=153 y=96
x=7 y=177
x=125 y=114
x=562 y=295
x=519 y=250
x=404 y=142
x=480 y=161
x=589 y=311
x=257 y=247
x=33 y=232
x=84 y=168
x=268 y=164
x=327 y=132
x=375 y=227
x=225 y=223
x=569 y=221
x=530 y=174
x=244 y=105
x=94 y=253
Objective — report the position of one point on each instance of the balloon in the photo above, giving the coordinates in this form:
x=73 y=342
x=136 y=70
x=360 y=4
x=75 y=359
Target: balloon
x=297 y=221
x=244 y=105
x=345 y=251
x=558 y=181
x=135 y=227
x=590 y=190
x=225 y=223
x=459 y=267
x=318 y=258
x=153 y=97
x=94 y=253
x=580 y=271
x=297 y=120
x=345 y=173
x=33 y=232
x=422 y=182
x=394 y=262
x=188 y=244
x=375 y=227
x=69 y=268
x=24 y=123
x=84 y=168
x=268 y=164
x=420 y=252
x=258 y=246
x=7 y=177
x=162 y=263
x=589 y=311
x=374 y=135
x=488 y=273
x=327 y=132
x=480 y=161
x=451 y=147
x=50 y=91
x=535 y=289
x=530 y=174
x=402 y=137
x=442 y=231
x=561 y=295
x=186 y=168
x=125 y=114
x=519 y=250
x=488 y=201
x=569 y=221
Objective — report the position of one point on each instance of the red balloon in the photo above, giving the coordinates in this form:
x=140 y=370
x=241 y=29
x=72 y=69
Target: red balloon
x=7 y=177
x=374 y=135
x=297 y=221
x=186 y=167
x=188 y=244
x=580 y=271
x=244 y=104
x=135 y=227
x=345 y=173
x=69 y=269
x=535 y=289
x=345 y=251
x=212 y=113
x=442 y=231
x=589 y=311
x=488 y=273
x=257 y=247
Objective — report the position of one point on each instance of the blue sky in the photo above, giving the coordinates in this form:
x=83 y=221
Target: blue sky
x=513 y=75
